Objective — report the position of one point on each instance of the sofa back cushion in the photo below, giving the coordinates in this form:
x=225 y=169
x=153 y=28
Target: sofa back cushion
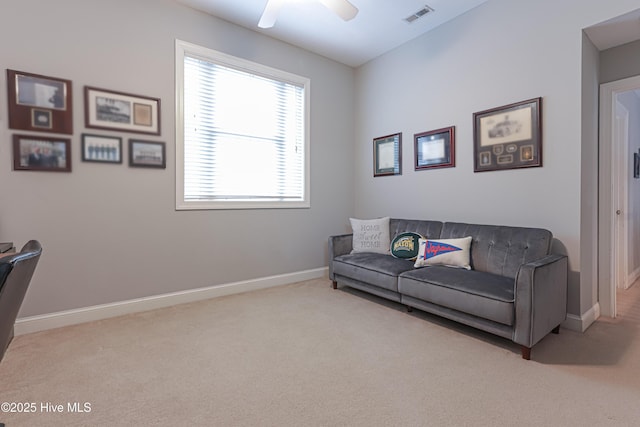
x=500 y=249
x=427 y=229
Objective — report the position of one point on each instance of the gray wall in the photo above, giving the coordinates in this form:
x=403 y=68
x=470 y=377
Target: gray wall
x=110 y=232
x=620 y=62
x=496 y=54
x=585 y=296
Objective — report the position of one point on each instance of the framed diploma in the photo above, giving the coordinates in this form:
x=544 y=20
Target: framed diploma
x=387 y=155
x=435 y=149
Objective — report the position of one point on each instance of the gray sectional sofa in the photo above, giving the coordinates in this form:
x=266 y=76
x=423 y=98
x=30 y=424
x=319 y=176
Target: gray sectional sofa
x=516 y=288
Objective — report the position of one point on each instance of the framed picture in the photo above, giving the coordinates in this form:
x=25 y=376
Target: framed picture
x=387 y=155
x=435 y=149
x=38 y=153
x=39 y=103
x=147 y=154
x=105 y=109
x=636 y=165
x=101 y=149
x=508 y=137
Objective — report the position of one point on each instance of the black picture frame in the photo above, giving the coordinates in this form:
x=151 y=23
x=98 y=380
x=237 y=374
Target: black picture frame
x=147 y=154
x=435 y=149
x=39 y=103
x=508 y=137
x=101 y=148
x=41 y=153
x=387 y=155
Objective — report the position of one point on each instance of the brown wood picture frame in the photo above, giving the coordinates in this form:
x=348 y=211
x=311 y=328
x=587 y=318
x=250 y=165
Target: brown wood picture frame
x=508 y=137
x=39 y=103
x=40 y=153
x=435 y=149
x=111 y=110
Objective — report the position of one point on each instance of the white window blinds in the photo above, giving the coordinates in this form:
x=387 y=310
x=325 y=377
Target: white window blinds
x=244 y=136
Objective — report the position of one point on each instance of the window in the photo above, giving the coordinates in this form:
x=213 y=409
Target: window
x=242 y=133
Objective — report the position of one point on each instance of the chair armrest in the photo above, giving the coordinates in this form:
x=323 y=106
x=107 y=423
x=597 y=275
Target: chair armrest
x=339 y=245
x=540 y=298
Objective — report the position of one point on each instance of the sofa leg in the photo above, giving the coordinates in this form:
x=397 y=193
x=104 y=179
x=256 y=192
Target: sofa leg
x=409 y=309
x=335 y=285
x=526 y=352
x=556 y=330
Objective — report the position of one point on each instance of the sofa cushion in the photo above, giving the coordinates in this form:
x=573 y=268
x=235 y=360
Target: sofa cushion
x=500 y=249
x=370 y=235
x=478 y=293
x=449 y=252
x=426 y=228
x=375 y=269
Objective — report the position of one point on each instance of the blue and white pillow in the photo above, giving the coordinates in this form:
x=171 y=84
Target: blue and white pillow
x=448 y=252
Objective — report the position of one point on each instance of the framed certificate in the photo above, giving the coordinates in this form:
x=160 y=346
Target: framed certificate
x=435 y=149
x=387 y=155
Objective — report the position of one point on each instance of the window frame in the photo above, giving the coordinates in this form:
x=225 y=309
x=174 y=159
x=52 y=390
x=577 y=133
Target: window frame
x=192 y=50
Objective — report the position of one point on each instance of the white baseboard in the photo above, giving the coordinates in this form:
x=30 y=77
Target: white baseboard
x=632 y=278
x=581 y=323
x=27 y=325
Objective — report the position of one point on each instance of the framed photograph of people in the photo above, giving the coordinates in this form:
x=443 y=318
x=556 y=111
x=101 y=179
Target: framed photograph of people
x=101 y=149
x=387 y=155
x=147 y=154
x=435 y=149
x=508 y=137
x=106 y=109
x=37 y=153
x=39 y=103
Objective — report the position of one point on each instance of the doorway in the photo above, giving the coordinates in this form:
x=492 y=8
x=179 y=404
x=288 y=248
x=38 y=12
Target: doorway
x=618 y=207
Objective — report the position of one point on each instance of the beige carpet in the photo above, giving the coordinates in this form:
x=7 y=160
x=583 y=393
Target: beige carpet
x=308 y=355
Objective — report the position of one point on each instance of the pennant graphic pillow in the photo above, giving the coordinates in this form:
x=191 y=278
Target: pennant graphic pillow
x=449 y=252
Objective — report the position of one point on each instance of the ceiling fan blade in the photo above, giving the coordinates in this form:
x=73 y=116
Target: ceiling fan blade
x=342 y=8
x=270 y=13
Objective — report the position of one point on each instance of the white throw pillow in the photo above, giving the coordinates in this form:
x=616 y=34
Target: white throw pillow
x=449 y=252
x=371 y=235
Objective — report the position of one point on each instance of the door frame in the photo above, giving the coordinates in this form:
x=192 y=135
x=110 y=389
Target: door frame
x=621 y=197
x=612 y=167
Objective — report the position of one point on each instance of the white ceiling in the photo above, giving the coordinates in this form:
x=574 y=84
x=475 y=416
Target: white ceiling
x=616 y=31
x=378 y=27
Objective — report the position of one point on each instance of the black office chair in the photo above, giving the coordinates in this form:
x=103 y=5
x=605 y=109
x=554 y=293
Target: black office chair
x=15 y=275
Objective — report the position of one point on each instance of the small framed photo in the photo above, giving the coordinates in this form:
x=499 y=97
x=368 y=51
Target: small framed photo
x=435 y=149
x=41 y=119
x=508 y=137
x=106 y=109
x=37 y=153
x=39 y=103
x=101 y=149
x=387 y=155
x=636 y=165
x=147 y=154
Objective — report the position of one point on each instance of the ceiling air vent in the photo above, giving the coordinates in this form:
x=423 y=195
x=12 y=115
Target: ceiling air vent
x=419 y=14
